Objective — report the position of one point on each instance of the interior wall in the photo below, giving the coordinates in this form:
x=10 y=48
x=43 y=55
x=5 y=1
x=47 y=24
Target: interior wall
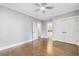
x=15 y=27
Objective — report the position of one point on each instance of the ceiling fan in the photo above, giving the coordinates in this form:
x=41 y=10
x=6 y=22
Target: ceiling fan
x=43 y=7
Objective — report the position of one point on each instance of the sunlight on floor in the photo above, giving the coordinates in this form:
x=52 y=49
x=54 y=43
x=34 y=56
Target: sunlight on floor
x=50 y=44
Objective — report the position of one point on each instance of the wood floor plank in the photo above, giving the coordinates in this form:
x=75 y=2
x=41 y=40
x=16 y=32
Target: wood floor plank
x=40 y=49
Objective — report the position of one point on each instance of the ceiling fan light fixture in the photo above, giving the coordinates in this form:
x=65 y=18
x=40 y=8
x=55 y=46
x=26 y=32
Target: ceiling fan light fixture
x=42 y=8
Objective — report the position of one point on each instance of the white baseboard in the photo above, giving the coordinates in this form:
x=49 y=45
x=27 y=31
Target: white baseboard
x=20 y=43
x=67 y=42
x=17 y=44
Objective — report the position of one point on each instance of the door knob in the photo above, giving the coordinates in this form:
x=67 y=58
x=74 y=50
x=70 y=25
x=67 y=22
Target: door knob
x=64 y=32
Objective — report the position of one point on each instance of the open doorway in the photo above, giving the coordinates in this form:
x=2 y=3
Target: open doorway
x=36 y=37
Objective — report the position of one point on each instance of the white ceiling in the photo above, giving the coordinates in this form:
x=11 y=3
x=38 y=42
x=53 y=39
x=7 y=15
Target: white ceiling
x=29 y=9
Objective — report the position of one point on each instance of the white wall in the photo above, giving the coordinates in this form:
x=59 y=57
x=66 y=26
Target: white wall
x=15 y=27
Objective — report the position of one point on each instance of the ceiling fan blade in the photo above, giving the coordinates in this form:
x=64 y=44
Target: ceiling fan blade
x=43 y=3
x=37 y=9
x=37 y=4
x=49 y=7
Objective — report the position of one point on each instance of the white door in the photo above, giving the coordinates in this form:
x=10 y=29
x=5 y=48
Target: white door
x=70 y=30
x=34 y=31
x=78 y=33
x=78 y=29
x=58 y=29
x=65 y=30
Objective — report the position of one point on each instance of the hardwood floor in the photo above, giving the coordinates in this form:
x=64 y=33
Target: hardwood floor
x=42 y=47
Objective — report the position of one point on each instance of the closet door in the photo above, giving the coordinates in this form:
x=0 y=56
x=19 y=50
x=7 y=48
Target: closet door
x=78 y=30
x=65 y=34
x=64 y=30
x=34 y=31
x=58 y=29
x=70 y=30
x=78 y=33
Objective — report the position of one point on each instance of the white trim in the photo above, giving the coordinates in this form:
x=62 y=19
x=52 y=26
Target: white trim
x=17 y=44
x=67 y=42
x=20 y=43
